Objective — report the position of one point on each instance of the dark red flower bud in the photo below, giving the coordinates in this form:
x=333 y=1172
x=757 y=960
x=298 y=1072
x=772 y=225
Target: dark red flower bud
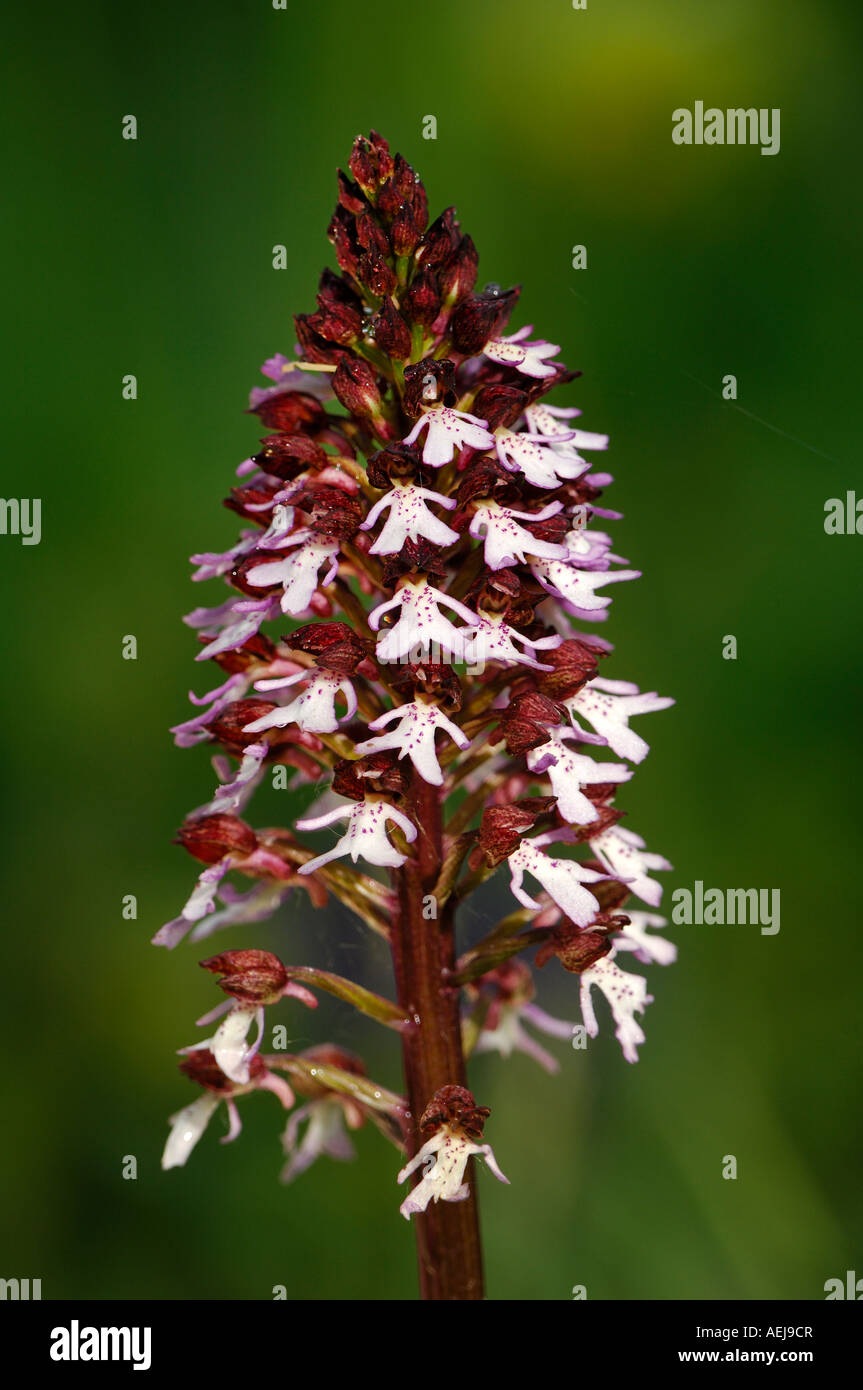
x=484 y=476
x=201 y=1067
x=336 y=289
x=253 y=977
x=480 y=317
x=526 y=721
x=430 y=678
x=336 y=322
x=511 y=982
x=499 y=405
x=335 y=646
x=577 y=948
x=350 y=195
x=609 y=893
x=405 y=232
x=371 y=162
x=314 y=346
x=427 y=382
x=377 y=773
x=239 y=575
x=286 y=455
x=391 y=333
x=553 y=529
x=606 y=816
x=458 y=274
x=355 y=384
x=210 y=838
x=440 y=241
x=327 y=1055
x=495 y=590
x=403 y=190
x=454 y=1106
x=580 y=493
x=502 y=827
x=227 y=728
x=371 y=235
x=390 y=200
x=375 y=272
x=290 y=412
x=331 y=1056
x=419 y=202
x=575 y=663
x=422 y=301
x=415 y=557
x=330 y=511
x=541 y=386
x=342 y=233
x=396 y=461
x=255 y=501
x=257 y=650
x=345 y=659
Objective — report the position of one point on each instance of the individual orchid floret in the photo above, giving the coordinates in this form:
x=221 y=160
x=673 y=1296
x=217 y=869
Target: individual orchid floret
x=237 y=621
x=449 y=431
x=456 y=1123
x=194 y=730
x=409 y=518
x=201 y=902
x=213 y=564
x=589 y=549
x=252 y=979
x=609 y=706
x=569 y=771
x=314 y=709
x=298 y=572
x=222 y=843
x=329 y=1114
x=626 y=994
x=545 y=420
x=562 y=879
x=624 y=855
x=229 y=1044
x=414 y=737
x=258 y=904
x=528 y=358
x=237 y=788
x=188 y=1124
x=531 y=455
x=492 y=639
x=325 y=1135
x=507 y=543
x=366 y=835
x=421 y=627
x=644 y=945
x=289 y=374
x=506 y=995
x=578 y=587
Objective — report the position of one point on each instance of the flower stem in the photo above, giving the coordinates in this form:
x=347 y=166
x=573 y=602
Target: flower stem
x=423 y=943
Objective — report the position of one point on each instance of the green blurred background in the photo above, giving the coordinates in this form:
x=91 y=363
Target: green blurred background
x=154 y=258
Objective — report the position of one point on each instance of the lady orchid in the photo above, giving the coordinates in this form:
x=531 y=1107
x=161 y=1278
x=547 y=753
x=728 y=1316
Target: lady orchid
x=407 y=631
